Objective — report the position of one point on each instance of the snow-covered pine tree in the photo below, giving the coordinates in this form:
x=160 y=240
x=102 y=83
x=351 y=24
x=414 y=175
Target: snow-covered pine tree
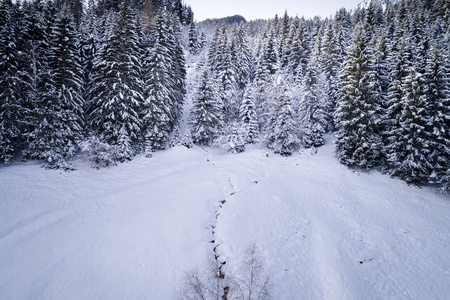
x=342 y=35
x=399 y=58
x=358 y=111
x=203 y=42
x=213 y=48
x=194 y=46
x=270 y=55
x=117 y=85
x=233 y=138
x=329 y=67
x=281 y=132
x=178 y=72
x=409 y=152
x=262 y=90
x=300 y=51
x=287 y=47
x=320 y=64
x=33 y=64
x=158 y=110
x=379 y=83
x=241 y=57
x=248 y=117
x=437 y=91
x=59 y=122
x=285 y=26
x=224 y=71
x=312 y=114
x=90 y=40
x=10 y=83
x=206 y=115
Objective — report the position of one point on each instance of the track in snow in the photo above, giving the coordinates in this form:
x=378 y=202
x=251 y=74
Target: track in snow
x=133 y=230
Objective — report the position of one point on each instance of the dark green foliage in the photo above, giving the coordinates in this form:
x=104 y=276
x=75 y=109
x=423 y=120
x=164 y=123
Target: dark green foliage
x=10 y=83
x=358 y=112
x=206 y=115
x=58 y=112
x=117 y=86
x=159 y=114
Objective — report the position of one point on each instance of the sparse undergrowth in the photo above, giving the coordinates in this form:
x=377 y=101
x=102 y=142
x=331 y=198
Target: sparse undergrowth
x=251 y=281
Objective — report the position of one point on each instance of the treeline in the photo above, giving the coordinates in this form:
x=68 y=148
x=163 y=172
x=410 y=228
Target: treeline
x=103 y=82
x=378 y=78
x=113 y=82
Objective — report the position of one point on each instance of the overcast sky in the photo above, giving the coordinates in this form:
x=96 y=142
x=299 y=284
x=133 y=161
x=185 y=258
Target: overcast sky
x=264 y=9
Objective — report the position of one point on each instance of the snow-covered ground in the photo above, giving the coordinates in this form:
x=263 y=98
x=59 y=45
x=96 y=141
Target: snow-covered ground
x=131 y=231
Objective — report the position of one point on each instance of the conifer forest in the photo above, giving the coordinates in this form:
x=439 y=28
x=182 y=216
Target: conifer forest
x=113 y=79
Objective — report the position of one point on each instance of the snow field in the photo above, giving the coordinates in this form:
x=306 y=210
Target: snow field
x=131 y=231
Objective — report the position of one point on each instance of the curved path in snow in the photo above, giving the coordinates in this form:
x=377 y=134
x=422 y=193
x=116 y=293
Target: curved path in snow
x=131 y=231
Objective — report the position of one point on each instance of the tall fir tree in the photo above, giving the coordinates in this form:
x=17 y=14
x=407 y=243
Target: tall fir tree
x=270 y=61
x=357 y=115
x=437 y=91
x=117 y=86
x=59 y=112
x=159 y=111
x=313 y=118
x=378 y=73
x=248 y=117
x=194 y=46
x=206 y=115
x=281 y=132
x=10 y=83
x=409 y=151
x=241 y=57
x=179 y=73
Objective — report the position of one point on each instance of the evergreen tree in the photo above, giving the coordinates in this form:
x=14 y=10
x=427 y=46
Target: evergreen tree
x=10 y=82
x=342 y=35
x=300 y=51
x=32 y=62
x=59 y=113
x=159 y=103
x=178 y=73
x=358 y=112
x=90 y=41
x=241 y=57
x=206 y=115
x=328 y=60
x=270 y=55
x=233 y=140
x=117 y=86
x=313 y=118
x=437 y=91
x=262 y=91
x=225 y=73
x=213 y=48
x=378 y=83
x=284 y=35
x=281 y=134
x=248 y=117
x=194 y=46
x=409 y=151
x=400 y=59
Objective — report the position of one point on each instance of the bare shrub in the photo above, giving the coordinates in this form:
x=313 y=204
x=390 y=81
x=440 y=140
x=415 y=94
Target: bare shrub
x=252 y=282
x=216 y=283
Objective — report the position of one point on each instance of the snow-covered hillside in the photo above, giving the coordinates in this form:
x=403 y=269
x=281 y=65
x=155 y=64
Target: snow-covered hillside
x=130 y=232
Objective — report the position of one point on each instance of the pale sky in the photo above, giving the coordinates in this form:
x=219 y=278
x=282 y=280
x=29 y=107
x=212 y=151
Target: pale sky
x=264 y=9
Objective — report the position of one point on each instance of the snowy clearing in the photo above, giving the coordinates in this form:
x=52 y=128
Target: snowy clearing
x=131 y=231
